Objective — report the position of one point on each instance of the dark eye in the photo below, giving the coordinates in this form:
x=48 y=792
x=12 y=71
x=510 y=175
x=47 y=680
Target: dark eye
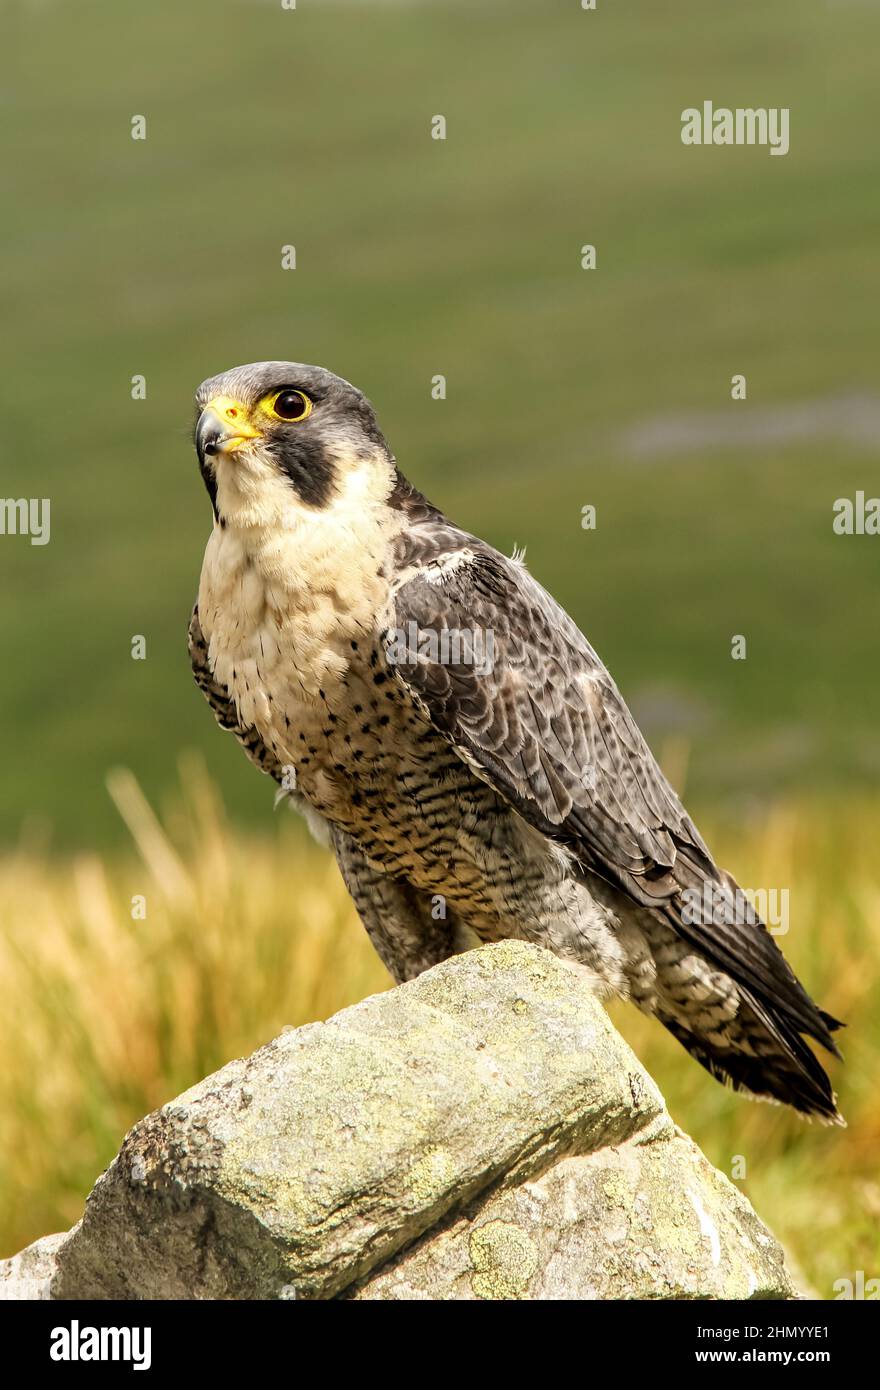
x=290 y=405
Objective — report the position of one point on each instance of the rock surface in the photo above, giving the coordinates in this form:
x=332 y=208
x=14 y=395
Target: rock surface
x=29 y=1274
x=481 y=1132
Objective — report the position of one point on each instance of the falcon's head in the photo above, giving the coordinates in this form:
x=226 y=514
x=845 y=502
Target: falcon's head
x=278 y=438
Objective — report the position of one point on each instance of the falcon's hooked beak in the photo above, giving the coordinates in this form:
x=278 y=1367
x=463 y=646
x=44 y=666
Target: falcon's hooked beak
x=222 y=427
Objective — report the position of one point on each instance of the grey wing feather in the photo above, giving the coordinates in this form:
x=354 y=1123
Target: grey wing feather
x=548 y=728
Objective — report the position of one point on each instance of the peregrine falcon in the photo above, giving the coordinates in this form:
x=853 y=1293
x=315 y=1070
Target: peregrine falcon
x=446 y=727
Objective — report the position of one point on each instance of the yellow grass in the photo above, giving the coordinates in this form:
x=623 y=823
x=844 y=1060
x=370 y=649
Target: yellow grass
x=108 y=1013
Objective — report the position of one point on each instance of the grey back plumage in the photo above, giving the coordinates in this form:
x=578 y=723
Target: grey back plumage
x=548 y=728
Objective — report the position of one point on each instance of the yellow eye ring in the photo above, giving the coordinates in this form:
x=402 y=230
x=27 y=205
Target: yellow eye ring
x=289 y=405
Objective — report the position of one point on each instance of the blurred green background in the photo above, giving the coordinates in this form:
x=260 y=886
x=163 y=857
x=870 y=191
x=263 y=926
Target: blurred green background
x=462 y=257
x=565 y=388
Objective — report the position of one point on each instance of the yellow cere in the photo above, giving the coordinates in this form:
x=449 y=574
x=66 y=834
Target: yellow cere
x=233 y=414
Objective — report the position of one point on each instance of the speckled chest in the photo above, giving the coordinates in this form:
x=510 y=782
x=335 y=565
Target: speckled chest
x=375 y=767
x=304 y=665
x=302 y=661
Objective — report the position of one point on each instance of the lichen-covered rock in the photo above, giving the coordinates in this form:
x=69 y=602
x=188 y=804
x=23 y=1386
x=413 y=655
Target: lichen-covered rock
x=481 y=1132
x=649 y=1218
